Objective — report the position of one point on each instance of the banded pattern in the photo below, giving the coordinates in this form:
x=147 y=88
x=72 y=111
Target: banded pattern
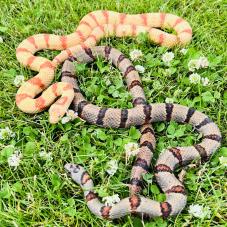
x=91 y=29
x=147 y=140
x=142 y=114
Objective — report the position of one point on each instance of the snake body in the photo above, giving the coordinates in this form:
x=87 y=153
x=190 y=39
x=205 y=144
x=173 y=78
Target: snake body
x=141 y=114
x=109 y=117
x=91 y=29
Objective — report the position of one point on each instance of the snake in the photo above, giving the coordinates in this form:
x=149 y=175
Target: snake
x=141 y=114
x=92 y=27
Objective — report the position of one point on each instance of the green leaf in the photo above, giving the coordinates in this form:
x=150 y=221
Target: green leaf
x=101 y=134
x=3 y=29
x=134 y=133
x=17 y=187
x=196 y=99
x=30 y=132
x=214 y=61
x=5 y=191
x=217 y=95
x=79 y=67
x=171 y=129
x=56 y=181
x=6 y=153
x=154 y=189
x=102 y=192
x=30 y=148
x=111 y=89
x=157 y=85
x=119 y=84
x=175 y=63
x=115 y=94
x=225 y=98
x=137 y=222
x=180 y=132
x=152 y=61
x=71 y=211
x=161 y=197
x=100 y=98
x=71 y=202
x=148 y=177
x=223 y=152
x=150 y=224
x=156 y=222
x=208 y=97
x=64 y=138
x=161 y=127
x=118 y=142
x=189 y=140
x=160 y=222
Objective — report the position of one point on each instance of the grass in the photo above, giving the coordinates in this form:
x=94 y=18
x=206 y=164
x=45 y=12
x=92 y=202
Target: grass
x=38 y=192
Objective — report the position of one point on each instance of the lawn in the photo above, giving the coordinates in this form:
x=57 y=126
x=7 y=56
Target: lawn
x=38 y=192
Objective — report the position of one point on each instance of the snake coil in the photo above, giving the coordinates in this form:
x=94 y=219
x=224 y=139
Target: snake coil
x=141 y=114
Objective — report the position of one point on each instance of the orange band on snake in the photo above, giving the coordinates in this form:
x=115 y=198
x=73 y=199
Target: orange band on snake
x=91 y=29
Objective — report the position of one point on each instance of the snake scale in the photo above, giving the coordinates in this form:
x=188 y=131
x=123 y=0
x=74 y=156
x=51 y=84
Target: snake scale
x=141 y=114
x=77 y=47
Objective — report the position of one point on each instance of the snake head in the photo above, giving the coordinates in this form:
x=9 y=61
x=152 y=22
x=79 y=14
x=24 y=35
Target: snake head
x=55 y=114
x=74 y=171
x=69 y=167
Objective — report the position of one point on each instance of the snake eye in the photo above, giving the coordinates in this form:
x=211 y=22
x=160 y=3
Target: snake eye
x=76 y=169
x=69 y=167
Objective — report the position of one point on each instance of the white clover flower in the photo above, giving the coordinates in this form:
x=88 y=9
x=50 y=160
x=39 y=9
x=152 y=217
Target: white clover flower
x=195 y=78
x=71 y=114
x=6 y=133
x=65 y=120
x=203 y=62
x=112 y=167
x=168 y=72
x=169 y=100
x=140 y=68
x=193 y=65
x=199 y=211
x=167 y=57
x=45 y=155
x=1 y=39
x=183 y=51
x=131 y=149
x=223 y=161
x=135 y=54
x=111 y=200
x=14 y=159
x=205 y=81
x=19 y=80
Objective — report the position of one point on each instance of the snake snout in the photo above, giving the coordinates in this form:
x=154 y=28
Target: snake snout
x=69 y=167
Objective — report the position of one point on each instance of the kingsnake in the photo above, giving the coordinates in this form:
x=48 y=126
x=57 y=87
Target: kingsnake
x=91 y=29
x=141 y=114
